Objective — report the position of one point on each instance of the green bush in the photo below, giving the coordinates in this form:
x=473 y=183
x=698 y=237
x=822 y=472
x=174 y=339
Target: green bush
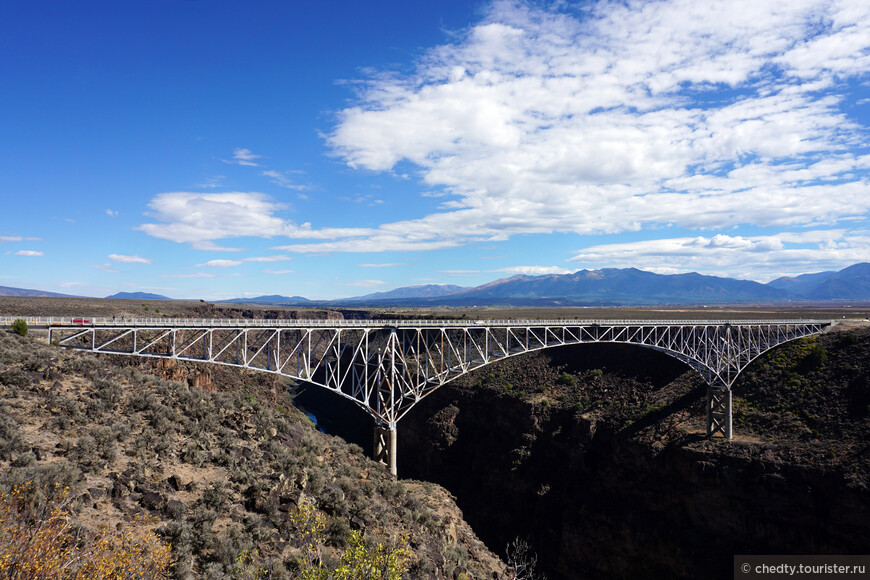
x=19 y=327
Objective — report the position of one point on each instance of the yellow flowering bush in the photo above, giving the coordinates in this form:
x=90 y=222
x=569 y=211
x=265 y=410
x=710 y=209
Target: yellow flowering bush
x=39 y=542
x=386 y=559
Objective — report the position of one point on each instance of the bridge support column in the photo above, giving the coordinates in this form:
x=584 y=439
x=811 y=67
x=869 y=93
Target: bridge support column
x=385 y=446
x=719 y=411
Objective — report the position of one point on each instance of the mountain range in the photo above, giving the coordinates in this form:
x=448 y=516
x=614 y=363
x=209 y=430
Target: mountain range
x=605 y=287
x=614 y=287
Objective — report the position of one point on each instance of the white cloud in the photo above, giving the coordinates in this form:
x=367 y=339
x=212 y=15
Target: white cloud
x=384 y=265
x=637 y=115
x=29 y=253
x=18 y=239
x=284 y=180
x=220 y=263
x=760 y=258
x=244 y=157
x=201 y=218
x=614 y=117
x=111 y=213
x=134 y=259
x=275 y=258
x=278 y=271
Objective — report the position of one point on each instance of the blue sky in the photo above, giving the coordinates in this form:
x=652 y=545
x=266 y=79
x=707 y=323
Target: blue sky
x=216 y=149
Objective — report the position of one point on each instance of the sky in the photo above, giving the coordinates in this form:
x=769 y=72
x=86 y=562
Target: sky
x=218 y=149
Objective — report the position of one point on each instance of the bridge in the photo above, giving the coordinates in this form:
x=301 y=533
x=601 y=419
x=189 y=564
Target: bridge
x=386 y=367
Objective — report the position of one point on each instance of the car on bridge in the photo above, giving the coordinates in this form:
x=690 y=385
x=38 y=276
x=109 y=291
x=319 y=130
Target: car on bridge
x=80 y=321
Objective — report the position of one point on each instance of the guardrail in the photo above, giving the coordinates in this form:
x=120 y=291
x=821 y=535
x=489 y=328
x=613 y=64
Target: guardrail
x=96 y=321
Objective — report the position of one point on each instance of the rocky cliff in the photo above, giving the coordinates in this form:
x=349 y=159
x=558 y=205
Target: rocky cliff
x=597 y=455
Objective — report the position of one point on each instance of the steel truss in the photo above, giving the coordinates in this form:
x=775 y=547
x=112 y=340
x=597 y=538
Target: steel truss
x=387 y=368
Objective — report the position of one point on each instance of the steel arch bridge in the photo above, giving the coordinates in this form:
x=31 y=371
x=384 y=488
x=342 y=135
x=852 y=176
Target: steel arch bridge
x=386 y=367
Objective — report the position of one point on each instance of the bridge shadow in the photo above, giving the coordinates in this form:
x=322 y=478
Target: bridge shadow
x=682 y=403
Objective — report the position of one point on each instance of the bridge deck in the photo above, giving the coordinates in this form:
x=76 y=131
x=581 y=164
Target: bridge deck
x=97 y=321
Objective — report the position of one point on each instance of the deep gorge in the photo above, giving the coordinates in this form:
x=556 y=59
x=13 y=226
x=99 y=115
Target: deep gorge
x=596 y=455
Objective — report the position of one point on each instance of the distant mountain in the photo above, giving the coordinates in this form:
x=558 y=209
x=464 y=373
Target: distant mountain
x=422 y=291
x=613 y=286
x=270 y=299
x=605 y=287
x=139 y=296
x=852 y=283
x=7 y=291
x=800 y=284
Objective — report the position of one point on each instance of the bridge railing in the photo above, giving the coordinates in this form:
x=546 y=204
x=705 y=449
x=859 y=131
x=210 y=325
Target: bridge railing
x=102 y=321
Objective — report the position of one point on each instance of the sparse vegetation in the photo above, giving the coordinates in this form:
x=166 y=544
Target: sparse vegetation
x=218 y=472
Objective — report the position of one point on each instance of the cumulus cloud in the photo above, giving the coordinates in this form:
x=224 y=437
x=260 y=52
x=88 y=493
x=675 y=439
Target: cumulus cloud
x=611 y=117
x=134 y=259
x=112 y=213
x=627 y=116
x=761 y=258
x=201 y=218
x=29 y=253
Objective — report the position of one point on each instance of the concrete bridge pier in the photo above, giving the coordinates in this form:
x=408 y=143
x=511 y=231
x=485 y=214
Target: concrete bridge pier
x=719 y=411
x=385 y=446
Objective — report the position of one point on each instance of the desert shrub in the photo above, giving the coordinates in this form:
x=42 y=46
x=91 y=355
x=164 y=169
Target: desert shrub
x=567 y=380
x=38 y=541
x=215 y=497
x=107 y=391
x=19 y=327
x=41 y=476
x=155 y=442
x=15 y=378
x=93 y=449
x=815 y=358
x=104 y=442
x=24 y=460
x=68 y=412
x=235 y=555
x=10 y=436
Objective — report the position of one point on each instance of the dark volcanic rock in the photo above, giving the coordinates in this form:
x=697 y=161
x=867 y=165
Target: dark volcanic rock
x=613 y=478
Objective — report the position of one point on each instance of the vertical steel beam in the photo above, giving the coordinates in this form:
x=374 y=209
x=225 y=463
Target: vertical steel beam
x=385 y=446
x=719 y=411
